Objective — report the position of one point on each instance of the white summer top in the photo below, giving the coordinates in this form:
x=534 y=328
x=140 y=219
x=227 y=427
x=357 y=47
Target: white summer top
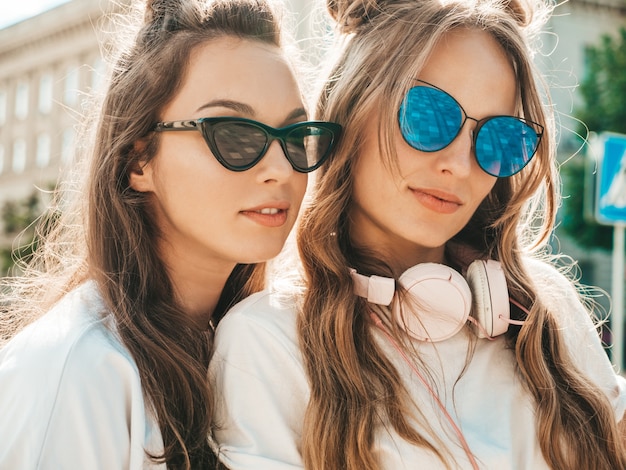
x=258 y=368
x=70 y=394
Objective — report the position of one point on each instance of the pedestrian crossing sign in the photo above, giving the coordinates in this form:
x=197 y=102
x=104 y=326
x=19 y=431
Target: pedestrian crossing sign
x=611 y=187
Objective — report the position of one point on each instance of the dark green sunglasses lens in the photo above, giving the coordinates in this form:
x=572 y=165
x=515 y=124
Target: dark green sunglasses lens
x=238 y=143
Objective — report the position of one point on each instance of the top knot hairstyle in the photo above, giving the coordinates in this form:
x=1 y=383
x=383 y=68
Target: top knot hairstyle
x=354 y=386
x=352 y=15
x=163 y=17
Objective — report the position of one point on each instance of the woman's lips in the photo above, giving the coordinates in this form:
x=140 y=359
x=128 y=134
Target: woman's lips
x=274 y=215
x=437 y=201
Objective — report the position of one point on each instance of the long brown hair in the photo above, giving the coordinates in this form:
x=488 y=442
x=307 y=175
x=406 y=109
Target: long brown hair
x=353 y=384
x=108 y=233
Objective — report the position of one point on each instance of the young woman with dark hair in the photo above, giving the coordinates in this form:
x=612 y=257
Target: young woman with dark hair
x=195 y=178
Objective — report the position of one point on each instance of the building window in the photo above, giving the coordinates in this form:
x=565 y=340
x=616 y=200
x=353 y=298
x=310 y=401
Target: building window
x=3 y=107
x=19 y=156
x=98 y=74
x=21 y=100
x=67 y=145
x=45 y=93
x=71 y=86
x=43 y=150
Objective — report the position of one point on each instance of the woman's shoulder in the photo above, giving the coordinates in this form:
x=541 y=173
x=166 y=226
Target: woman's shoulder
x=79 y=325
x=271 y=311
x=578 y=328
x=266 y=302
x=67 y=374
x=74 y=344
x=546 y=270
x=554 y=285
x=258 y=370
x=560 y=294
x=260 y=329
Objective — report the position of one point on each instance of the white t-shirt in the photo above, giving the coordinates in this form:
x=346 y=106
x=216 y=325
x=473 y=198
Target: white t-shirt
x=70 y=394
x=258 y=369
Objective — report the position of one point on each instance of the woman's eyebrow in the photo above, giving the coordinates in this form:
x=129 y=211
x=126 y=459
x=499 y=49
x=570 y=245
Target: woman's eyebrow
x=246 y=109
x=238 y=106
x=296 y=113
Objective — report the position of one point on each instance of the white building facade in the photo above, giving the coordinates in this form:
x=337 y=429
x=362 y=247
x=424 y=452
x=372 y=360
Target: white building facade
x=47 y=65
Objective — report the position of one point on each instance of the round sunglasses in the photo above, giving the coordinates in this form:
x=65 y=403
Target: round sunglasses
x=430 y=119
x=239 y=143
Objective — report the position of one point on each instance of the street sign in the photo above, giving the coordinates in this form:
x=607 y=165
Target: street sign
x=611 y=210
x=611 y=188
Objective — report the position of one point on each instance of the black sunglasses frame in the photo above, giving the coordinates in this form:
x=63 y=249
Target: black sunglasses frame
x=538 y=128
x=206 y=127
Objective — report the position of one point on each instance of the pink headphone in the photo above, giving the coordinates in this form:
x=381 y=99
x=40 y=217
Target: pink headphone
x=440 y=300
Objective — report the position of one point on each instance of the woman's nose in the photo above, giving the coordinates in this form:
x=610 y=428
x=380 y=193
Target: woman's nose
x=457 y=158
x=274 y=165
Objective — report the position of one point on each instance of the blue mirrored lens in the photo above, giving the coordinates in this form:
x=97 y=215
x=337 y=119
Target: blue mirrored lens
x=504 y=145
x=429 y=118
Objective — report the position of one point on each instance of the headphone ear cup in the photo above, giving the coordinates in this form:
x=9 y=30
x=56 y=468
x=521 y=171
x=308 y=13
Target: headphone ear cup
x=437 y=297
x=490 y=296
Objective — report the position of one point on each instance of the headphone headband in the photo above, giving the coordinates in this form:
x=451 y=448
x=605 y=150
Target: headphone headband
x=376 y=289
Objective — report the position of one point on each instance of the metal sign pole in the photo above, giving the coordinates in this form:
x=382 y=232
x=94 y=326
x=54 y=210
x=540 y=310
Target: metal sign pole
x=617 y=294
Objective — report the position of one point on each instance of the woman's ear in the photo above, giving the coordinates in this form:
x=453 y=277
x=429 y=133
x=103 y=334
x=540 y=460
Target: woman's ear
x=140 y=176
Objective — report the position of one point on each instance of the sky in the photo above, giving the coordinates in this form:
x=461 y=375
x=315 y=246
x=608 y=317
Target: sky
x=14 y=11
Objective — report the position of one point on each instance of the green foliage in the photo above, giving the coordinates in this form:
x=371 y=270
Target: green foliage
x=603 y=91
x=17 y=215
x=604 y=87
x=19 y=221
x=584 y=231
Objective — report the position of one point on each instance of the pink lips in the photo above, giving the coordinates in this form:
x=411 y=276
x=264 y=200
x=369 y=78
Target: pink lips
x=437 y=201
x=268 y=215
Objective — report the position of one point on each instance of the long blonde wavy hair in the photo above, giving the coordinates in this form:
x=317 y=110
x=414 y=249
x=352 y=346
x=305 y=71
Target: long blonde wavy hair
x=353 y=384
x=105 y=231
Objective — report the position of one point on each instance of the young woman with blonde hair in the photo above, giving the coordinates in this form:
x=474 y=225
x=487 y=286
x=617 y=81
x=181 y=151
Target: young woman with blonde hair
x=172 y=227
x=432 y=331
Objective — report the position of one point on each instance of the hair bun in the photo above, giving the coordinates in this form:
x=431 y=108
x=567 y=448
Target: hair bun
x=161 y=14
x=520 y=10
x=154 y=9
x=531 y=15
x=350 y=15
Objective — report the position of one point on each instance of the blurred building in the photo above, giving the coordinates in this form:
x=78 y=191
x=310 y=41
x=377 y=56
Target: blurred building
x=47 y=65
x=575 y=25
